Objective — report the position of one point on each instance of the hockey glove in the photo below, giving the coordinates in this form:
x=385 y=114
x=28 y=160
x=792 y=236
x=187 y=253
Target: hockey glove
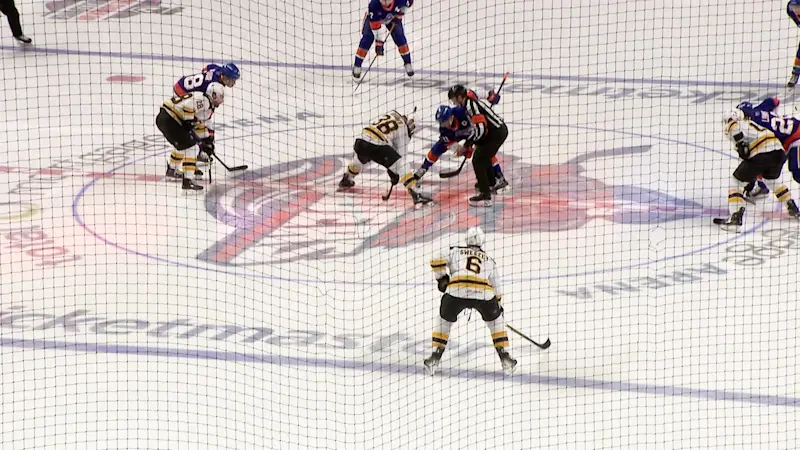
x=207 y=147
x=743 y=150
x=494 y=98
x=465 y=151
x=379 y=48
x=443 y=282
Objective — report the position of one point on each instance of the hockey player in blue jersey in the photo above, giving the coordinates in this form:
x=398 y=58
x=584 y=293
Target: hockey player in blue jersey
x=226 y=75
x=785 y=128
x=455 y=126
x=383 y=15
x=793 y=10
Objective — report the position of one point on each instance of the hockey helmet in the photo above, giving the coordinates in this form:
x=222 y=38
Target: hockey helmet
x=230 y=71
x=444 y=113
x=475 y=237
x=734 y=115
x=456 y=90
x=216 y=93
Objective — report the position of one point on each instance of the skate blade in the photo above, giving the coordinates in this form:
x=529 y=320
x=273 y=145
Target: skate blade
x=731 y=228
x=430 y=370
x=510 y=370
x=481 y=204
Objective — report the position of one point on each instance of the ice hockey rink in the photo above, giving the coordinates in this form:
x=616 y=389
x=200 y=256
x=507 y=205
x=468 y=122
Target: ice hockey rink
x=270 y=311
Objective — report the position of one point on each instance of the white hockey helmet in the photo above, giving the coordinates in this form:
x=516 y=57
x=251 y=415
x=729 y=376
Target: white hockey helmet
x=216 y=93
x=475 y=237
x=731 y=116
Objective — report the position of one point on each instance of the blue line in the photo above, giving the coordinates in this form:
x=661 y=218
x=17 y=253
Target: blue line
x=407 y=369
x=449 y=73
x=78 y=218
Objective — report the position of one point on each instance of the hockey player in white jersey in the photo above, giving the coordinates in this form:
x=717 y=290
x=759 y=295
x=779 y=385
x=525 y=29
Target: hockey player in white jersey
x=762 y=155
x=385 y=142
x=469 y=278
x=183 y=121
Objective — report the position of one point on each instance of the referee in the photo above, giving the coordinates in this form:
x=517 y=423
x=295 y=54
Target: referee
x=489 y=132
x=10 y=10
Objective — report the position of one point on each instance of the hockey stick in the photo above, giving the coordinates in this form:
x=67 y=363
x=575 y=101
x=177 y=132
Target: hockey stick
x=544 y=346
x=385 y=197
x=230 y=169
x=364 y=75
x=458 y=171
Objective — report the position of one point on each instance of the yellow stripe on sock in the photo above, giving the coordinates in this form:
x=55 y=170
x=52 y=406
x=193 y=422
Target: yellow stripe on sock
x=782 y=193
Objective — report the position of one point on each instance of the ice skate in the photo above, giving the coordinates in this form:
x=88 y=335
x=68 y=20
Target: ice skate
x=734 y=223
x=356 y=72
x=188 y=185
x=22 y=39
x=346 y=182
x=481 y=200
x=793 y=80
x=499 y=185
x=792 y=210
x=173 y=174
x=419 y=199
x=509 y=364
x=409 y=69
x=432 y=362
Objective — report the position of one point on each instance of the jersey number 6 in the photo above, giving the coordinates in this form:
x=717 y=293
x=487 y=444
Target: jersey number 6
x=474 y=264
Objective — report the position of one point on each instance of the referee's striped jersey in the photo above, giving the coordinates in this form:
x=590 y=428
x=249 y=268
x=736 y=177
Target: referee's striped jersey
x=483 y=118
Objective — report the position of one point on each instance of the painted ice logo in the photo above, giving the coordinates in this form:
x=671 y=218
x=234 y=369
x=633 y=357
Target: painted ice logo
x=105 y=9
x=288 y=212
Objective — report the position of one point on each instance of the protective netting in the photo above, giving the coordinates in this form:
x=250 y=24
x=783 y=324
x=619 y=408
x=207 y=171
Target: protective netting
x=272 y=310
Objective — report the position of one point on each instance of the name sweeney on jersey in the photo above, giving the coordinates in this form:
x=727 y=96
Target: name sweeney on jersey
x=477 y=254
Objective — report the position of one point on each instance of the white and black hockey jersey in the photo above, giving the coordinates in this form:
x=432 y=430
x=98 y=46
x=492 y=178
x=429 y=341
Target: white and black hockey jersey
x=390 y=129
x=473 y=274
x=757 y=139
x=194 y=108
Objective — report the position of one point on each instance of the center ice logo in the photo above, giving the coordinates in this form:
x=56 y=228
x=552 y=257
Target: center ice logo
x=105 y=9
x=290 y=211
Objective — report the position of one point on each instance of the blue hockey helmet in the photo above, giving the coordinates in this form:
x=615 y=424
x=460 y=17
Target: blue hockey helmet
x=230 y=71
x=444 y=113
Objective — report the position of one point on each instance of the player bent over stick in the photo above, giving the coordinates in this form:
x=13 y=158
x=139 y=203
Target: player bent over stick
x=385 y=142
x=454 y=126
x=473 y=283
x=488 y=134
x=227 y=75
x=182 y=120
x=762 y=155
